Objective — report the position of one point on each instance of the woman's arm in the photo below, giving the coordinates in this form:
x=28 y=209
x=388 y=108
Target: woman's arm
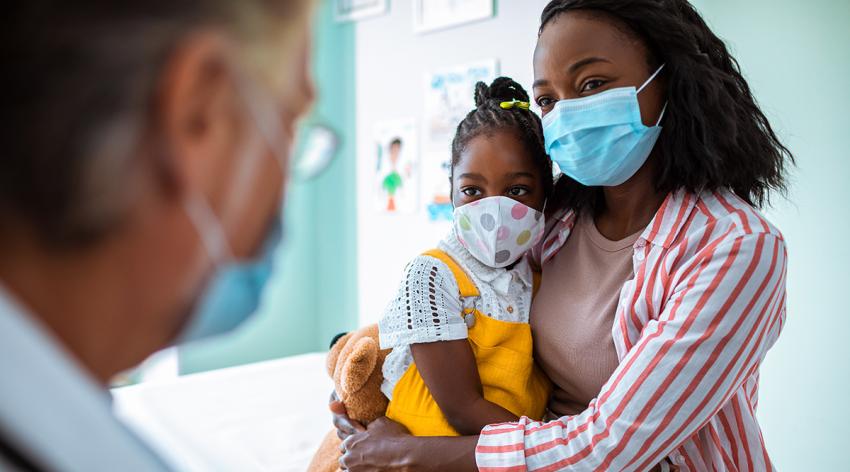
x=451 y=374
x=715 y=327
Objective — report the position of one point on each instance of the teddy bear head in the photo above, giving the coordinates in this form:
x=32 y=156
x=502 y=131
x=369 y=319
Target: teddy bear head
x=355 y=364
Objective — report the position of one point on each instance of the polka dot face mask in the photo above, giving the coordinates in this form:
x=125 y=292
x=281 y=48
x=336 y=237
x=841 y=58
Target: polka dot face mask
x=497 y=230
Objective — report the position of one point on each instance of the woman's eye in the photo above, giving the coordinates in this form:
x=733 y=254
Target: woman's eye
x=545 y=102
x=517 y=191
x=471 y=192
x=592 y=85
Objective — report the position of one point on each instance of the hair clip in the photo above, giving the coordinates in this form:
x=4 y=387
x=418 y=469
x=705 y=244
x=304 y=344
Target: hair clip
x=514 y=103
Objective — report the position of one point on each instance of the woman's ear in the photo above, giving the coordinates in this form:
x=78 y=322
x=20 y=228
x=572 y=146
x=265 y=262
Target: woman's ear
x=359 y=365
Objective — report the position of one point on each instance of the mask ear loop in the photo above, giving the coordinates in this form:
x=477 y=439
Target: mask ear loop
x=651 y=77
x=209 y=229
x=654 y=74
x=663 y=109
x=266 y=119
x=207 y=224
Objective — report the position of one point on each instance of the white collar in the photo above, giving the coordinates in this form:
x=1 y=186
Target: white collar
x=499 y=278
x=51 y=410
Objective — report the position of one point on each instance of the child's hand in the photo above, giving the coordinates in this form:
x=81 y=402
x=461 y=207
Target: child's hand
x=344 y=425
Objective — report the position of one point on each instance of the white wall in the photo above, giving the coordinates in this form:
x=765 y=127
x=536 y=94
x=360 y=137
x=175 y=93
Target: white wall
x=392 y=63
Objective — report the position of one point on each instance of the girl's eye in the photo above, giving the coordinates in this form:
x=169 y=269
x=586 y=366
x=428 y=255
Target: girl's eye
x=471 y=191
x=592 y=84
x=517 y=191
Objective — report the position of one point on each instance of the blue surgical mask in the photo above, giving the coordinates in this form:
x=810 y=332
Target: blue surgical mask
x=234 y=291
x=600 y=140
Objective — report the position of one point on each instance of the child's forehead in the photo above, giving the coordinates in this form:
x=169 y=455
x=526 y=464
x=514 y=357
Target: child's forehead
x=497 y=151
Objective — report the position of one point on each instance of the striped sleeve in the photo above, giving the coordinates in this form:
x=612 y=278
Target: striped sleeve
x=718 y=321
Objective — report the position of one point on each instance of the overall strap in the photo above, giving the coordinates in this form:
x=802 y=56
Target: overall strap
x=465 y=284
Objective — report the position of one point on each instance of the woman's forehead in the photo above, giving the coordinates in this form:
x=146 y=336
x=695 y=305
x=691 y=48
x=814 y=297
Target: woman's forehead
x=574 y=36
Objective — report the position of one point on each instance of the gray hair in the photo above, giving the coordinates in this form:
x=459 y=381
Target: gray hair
x=78 y=90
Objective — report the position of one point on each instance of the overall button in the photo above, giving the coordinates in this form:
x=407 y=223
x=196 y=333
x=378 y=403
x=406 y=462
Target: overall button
x=510 y=309
x=469 y=319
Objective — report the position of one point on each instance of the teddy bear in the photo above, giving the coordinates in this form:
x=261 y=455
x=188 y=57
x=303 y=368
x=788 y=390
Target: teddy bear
x=355 y=364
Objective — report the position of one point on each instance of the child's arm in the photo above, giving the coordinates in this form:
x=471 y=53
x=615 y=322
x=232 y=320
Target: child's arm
x=449 y=370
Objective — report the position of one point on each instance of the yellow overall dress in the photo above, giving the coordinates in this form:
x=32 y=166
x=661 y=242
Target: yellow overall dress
x=503 y=353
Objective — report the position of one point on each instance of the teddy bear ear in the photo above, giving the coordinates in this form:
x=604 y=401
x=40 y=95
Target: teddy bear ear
x=336 y=349
x=359 y=365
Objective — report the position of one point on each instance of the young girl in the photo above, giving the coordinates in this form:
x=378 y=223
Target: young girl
x=461 y=343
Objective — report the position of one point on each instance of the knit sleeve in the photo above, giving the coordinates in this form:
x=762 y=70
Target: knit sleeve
x=427 y=307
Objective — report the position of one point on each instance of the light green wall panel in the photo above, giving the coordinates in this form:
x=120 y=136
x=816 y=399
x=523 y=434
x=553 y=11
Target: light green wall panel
x=796 y=57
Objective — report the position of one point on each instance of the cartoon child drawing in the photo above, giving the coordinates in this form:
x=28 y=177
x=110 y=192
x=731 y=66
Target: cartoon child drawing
x=393 y=181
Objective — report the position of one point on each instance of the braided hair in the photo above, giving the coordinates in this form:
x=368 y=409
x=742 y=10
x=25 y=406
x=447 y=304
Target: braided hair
x=489 y=117
x=715 y=135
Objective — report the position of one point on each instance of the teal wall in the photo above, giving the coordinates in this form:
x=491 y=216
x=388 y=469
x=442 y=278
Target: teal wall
x=313 y=293
x=796 y=56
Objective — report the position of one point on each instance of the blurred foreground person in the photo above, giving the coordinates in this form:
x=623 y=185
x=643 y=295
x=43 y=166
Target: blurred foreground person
x=146 y=149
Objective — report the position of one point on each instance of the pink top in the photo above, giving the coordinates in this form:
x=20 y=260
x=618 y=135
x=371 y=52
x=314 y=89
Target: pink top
x=572 y=322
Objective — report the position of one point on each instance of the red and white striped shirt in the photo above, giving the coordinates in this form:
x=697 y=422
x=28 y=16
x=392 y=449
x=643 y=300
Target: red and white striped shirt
x=706 y=303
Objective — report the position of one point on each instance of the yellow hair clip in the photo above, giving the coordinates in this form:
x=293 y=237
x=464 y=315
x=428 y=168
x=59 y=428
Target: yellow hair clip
x=514 y=103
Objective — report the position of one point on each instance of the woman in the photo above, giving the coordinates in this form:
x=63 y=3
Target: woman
x=663 y=286
x=145 y=154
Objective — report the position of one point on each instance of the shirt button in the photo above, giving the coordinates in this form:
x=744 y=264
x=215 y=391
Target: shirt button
x=470 y=320
x=639 y=255
x=510 y=309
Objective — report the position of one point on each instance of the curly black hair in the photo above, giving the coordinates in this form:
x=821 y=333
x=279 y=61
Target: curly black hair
x=488 y=116
x=715 y=135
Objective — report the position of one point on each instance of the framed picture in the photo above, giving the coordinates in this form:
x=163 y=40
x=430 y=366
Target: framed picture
x=449 y=97
x=396 y=177
x=431 y=15
x=353 y=10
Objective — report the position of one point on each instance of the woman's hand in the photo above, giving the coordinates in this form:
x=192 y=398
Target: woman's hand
x=384 y=445
x=387 y=445
x=344 y=425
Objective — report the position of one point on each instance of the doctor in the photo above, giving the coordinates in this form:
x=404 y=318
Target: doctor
x=145 y=152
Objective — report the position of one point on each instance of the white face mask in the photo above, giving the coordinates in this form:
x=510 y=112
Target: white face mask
x=498 y=230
